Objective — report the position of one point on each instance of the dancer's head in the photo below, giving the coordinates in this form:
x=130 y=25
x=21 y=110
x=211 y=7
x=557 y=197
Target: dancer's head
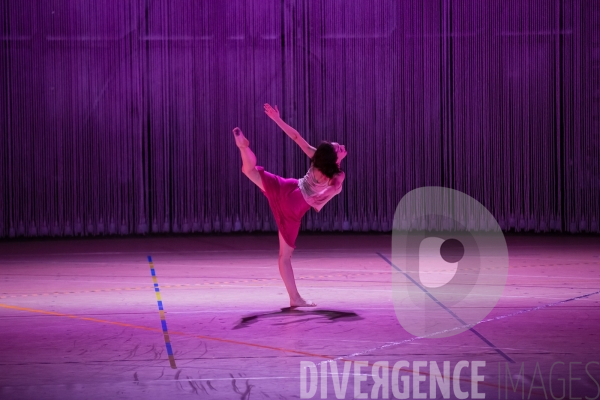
x=340 y=150
x=327 y=158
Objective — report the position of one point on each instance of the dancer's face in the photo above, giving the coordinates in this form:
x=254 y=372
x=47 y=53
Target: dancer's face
x=340 y=149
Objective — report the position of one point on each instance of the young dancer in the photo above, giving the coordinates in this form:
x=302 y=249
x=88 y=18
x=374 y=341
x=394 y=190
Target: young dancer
x=291 y=198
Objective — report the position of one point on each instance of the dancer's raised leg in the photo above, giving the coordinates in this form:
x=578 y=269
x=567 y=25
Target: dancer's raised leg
x=287 y=274
x=248 y=158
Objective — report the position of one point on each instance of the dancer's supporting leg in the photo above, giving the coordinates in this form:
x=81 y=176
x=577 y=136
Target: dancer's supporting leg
x=248 y=158
x=287 y=274
x=285 y=250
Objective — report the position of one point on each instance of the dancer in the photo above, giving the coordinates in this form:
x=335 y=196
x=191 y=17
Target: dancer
x=290 y=198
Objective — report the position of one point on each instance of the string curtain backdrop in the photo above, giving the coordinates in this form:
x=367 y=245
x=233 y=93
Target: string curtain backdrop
x=116 y=116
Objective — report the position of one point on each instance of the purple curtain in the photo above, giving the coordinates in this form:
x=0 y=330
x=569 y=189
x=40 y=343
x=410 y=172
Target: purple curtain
x=116 y=116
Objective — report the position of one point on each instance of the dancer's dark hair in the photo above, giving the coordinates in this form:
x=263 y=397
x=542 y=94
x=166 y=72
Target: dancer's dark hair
x=325 y=160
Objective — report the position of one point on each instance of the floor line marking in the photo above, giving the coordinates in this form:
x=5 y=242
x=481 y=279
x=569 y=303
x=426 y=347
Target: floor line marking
x=512 y=247
x=146 y=328
x=161 y=313
x=456 y=317
x=229 y=341
x=176 y=286
x=526 y=310
x=221 y=286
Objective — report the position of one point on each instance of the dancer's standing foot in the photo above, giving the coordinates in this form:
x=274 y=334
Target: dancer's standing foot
x=287 y=274
x=302 y=303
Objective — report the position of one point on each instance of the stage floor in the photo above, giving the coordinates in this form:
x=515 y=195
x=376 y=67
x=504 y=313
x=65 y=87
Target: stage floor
x=80 y=320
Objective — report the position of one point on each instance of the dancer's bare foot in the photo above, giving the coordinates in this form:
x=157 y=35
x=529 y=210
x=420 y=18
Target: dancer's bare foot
x=302 y=303
x=240 y=139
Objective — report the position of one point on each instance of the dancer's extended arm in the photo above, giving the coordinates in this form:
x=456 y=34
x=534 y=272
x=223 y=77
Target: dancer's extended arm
x=273 y=113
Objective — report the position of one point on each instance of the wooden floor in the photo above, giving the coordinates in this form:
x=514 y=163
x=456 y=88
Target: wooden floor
x=79 y=319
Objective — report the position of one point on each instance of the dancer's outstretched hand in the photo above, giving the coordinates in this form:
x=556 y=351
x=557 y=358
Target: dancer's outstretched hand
x=272 y=113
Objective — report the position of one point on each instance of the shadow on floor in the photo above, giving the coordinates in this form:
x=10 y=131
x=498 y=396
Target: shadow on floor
x=294 y=315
